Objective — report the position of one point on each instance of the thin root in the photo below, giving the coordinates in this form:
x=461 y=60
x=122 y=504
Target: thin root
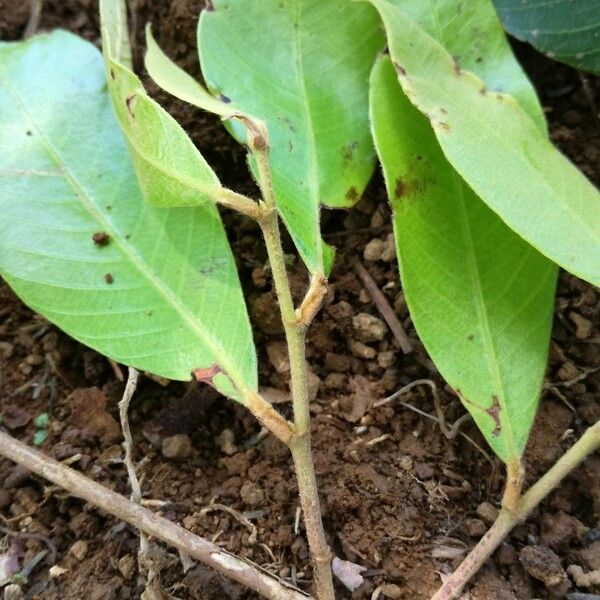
x=449 y=431
x=38 y=537
x=236 y=515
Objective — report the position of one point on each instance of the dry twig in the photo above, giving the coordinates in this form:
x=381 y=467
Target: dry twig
x=383 y=306
x=78 y=485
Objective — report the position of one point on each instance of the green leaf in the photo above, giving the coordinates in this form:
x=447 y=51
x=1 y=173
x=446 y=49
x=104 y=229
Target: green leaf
x=301 y=66
x=170 y=169
x=480 y=297
x=499 y=150
x=40 y=436
x=114 y=19
x=472 y=34
x=565 y=30
x=156 y=289
x=41 y=421
x=173 y=79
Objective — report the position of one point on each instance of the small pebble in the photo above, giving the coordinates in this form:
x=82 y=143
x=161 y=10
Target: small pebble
x=190 y=521
x=373 y=250
x=567 y=371
x=177 y=446
x=543 y=564
x=79 y=549
x=368 y=328
x=423 y=470
x=406 y=463
x=475 y=528
x=126 y=566
x=251 y=494
x=226 y=441
x=335 y=381
x=386 y=359
x=361 y=350
x=56 y=571
x=278 y=356
x=389 y=249
x=583 y=326
x=506 y=555
x=13 y=592
x=488 y=512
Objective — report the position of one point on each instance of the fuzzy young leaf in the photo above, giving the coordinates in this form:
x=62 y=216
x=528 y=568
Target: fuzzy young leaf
x=173 y=79
x=480 y=297
x=498 y=149
x=301 y=66
x=153 y=288
x=170 y=169
x=565 y=30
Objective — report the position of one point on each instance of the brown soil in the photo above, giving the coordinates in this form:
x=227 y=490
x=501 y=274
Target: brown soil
x=398 y=497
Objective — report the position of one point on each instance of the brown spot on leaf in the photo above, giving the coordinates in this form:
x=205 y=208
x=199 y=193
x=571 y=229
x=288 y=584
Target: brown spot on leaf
x=128 y=103
x=225 y=99
x=112 y=74
x=457 y=69
x=109 y=278
x=352 y=194
x=348 y=151
x=400 y=189
x=400 y=69
x=494 y=412
x=101 y=238
x=483 y=91
x=405 y=188
x=207 y=375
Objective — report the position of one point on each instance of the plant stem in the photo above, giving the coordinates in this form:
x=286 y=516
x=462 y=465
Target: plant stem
x=145 y=520
x=515 y=475
x=295 y=324
x=507 y=520
x=300 y=445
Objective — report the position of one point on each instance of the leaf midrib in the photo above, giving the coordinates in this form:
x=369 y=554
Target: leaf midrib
x=485 y=328
x=119 y=238
x=315 y=201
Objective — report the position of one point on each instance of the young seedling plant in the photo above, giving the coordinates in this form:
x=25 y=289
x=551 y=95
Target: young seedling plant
x=109 y=224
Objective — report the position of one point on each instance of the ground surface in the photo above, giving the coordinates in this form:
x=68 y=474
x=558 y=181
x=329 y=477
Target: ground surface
x=405 y=505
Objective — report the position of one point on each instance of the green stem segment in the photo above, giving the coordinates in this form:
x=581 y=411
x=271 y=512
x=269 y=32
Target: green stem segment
x=507 y=519
x=295 y=329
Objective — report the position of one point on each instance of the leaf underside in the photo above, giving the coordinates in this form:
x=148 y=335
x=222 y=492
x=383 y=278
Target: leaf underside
x=480 y=297
x=565 y=30
x=302 y=67
x=498 y=149
x=170 y=170
x=158 y=289
x=467 y=277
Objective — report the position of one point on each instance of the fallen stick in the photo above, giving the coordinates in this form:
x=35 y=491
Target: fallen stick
x=145 y=520
x=387 y=312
